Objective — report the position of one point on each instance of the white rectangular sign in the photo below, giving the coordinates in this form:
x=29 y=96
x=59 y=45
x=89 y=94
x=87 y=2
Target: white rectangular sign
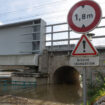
x=84 y=61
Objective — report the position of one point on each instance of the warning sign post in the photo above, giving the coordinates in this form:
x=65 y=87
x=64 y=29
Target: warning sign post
x=83 y=17
x=84 y=54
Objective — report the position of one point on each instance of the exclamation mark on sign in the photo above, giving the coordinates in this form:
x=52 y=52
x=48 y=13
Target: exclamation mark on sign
x=84 y=45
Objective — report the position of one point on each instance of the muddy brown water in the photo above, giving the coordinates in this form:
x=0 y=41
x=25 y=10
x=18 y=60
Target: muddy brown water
x=63 y=94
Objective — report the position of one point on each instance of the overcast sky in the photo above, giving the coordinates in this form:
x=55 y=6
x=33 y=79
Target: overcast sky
x=52 y=11
x=18 y=10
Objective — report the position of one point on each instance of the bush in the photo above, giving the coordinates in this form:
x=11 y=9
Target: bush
x=96 y=89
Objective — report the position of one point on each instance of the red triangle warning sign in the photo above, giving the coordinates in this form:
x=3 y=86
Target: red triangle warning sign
x=84 y=47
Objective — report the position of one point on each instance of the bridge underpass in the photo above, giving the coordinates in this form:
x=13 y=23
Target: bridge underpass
x=60 y=41
x=66 y=75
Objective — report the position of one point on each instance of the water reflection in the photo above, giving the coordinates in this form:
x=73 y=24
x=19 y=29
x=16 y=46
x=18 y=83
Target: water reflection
x=56 y=93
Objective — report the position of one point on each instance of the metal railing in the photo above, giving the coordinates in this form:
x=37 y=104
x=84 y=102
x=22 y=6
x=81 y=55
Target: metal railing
x=6 y=85
x=50 y=33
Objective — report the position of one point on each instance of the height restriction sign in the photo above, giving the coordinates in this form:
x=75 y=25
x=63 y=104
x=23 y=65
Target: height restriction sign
x=84 y=16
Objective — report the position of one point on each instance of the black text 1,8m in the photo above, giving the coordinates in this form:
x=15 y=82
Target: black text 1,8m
x=83 y=17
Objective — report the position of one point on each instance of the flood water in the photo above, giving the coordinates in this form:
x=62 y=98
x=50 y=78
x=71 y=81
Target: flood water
x=63 y=93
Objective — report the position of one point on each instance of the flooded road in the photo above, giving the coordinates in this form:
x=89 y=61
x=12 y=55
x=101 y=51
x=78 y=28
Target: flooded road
x=58 y=94
x=65 y=91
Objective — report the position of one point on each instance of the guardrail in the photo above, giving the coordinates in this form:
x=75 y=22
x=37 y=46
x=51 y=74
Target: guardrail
x=52 y=39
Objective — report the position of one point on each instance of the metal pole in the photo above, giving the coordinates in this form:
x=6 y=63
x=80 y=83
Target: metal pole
x=84 y=86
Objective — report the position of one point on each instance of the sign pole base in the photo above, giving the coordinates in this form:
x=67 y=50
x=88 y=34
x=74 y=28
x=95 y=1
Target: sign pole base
x=84 y=86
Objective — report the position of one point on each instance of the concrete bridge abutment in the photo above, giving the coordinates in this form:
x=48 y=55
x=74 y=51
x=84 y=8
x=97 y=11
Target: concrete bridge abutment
x=59 y=69
x=57 y=66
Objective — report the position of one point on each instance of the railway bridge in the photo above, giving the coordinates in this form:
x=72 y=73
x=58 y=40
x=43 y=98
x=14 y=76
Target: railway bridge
x=44 y=51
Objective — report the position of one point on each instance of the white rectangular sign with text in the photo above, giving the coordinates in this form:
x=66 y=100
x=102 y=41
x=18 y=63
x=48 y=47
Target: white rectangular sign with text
x=84 y=61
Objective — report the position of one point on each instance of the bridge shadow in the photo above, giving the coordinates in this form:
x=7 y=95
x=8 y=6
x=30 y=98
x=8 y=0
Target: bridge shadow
x=66 y=75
